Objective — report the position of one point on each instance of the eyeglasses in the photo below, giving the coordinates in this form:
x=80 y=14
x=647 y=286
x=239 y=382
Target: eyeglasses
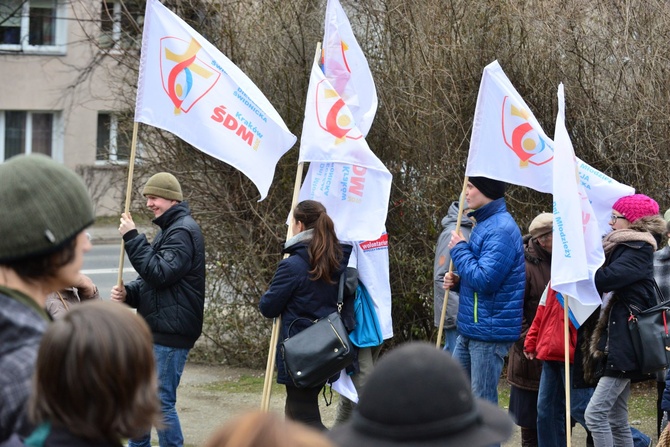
x=614 y=217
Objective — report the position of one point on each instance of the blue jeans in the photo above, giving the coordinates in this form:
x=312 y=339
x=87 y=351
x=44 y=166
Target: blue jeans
x=551 y=408
x=483 y=362
x=169 y=367
x=551 y=405
x=450 y=336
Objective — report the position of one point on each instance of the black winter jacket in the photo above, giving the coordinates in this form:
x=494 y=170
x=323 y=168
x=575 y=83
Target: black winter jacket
x=628 y=273
x=170 y=290
x=292 y=294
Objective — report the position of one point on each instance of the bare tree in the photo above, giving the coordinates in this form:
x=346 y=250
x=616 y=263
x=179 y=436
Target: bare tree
x=427 y=58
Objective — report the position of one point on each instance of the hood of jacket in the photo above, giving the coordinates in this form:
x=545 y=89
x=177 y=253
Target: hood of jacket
x=451 y=218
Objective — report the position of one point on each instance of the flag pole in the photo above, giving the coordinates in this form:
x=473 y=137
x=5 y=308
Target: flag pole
x=129 y=188
x=276 y=323
x=568 y=387
x=461 y=201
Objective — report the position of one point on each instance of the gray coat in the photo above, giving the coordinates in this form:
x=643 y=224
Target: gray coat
x=441 y=265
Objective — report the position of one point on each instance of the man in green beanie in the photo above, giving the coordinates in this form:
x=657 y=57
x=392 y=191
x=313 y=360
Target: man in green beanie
x=47 y=209
x=169 y=292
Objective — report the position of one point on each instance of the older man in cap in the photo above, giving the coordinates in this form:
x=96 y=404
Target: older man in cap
x=491 y=274
x=169 y=293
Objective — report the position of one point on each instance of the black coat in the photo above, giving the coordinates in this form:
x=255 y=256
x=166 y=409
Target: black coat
x=293 y=294
x=170 y=290
x=628 y=273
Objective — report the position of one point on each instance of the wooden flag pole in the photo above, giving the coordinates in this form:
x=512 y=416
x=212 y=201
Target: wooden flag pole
x=568 y=387
x=461 y=201
x=129 y=189
x=276 y=323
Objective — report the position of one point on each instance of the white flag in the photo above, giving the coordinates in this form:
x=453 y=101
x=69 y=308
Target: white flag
x=507 y=141
x=188 y=87
x=577 y=249
x=509 y=144
x=344 y=174
x=329 y=132
x=346 y=67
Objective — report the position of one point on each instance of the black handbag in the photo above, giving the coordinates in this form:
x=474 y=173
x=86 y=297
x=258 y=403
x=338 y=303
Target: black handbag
x=320 y=351
x=650 y=336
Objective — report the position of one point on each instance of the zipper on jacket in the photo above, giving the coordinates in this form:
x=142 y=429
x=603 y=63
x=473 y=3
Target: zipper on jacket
x=476 y=305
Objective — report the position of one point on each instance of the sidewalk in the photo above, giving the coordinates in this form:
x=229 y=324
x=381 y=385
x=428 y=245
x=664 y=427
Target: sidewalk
x=109 y=233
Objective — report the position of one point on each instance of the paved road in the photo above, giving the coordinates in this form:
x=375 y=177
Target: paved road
x=101 y=264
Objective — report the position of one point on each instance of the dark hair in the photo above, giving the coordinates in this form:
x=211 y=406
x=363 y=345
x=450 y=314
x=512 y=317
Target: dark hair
x=36 y=268
x=264 y=429
x=95 y=374
x=324 y=250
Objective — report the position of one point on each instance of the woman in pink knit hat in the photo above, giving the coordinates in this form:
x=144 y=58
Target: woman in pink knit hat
x=627 y=281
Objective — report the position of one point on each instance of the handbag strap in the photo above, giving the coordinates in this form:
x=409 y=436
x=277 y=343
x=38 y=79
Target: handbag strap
x=660 y=299
x=340 y=291
x=340 y=300
x=659 y=295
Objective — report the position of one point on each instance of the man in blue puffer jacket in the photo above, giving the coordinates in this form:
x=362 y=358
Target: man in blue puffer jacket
x=490 y=271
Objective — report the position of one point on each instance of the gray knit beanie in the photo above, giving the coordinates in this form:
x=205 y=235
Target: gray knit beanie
x=163 y=185
x=44 y=205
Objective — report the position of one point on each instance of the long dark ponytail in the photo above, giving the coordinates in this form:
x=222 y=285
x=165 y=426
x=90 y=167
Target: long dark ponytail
x=324 y=249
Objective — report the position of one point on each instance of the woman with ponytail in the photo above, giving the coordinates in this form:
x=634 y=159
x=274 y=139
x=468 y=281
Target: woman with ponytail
x=305 y=285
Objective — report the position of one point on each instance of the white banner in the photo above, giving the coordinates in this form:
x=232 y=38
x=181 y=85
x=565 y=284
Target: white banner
x=346 y=67
x=188 y=87
x=577 y=249
x=355 y=197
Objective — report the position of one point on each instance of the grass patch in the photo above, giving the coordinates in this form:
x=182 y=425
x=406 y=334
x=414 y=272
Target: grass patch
x=245 y=384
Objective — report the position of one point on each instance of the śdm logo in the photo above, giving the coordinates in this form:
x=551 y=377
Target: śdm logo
x=520 y=136
x=333 y=116
x=185 y=78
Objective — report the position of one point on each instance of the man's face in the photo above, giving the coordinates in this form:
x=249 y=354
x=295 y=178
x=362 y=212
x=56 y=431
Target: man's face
x=546 y=241
x=474 y=197
x=159 y=205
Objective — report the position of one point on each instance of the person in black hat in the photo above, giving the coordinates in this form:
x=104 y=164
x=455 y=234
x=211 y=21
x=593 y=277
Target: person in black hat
x=169 y=293
x=47 y=209
x=419 y=396
x=491 y=277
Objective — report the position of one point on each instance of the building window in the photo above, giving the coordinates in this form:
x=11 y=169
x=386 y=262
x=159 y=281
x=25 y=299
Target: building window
x=32 y=25
x=121 y=24
x=23 y=132
x=112 y=144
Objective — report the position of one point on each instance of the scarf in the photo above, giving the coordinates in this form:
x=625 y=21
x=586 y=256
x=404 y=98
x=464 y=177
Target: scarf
x=617 y=237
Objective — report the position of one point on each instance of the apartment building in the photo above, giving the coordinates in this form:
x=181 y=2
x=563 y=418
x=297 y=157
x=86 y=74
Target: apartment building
x=60 y=93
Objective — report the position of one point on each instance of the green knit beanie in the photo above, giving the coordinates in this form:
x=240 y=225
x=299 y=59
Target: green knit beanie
x=45 y=205
x=163 y=185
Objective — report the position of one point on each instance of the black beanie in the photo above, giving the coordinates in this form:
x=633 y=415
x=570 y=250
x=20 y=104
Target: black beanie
x=493 y=189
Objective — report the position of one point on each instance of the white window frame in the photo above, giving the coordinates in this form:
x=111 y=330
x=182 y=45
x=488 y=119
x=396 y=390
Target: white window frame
x=113 y=138
x=60 y=34
x=117 y=26
x=56 y=133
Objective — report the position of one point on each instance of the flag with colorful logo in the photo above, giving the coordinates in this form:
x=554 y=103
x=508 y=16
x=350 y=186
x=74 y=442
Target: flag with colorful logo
x=507 y=141
x=346 y=67
x=509 y=144
x=577 y=248
x=344 y=174
x=188 y=87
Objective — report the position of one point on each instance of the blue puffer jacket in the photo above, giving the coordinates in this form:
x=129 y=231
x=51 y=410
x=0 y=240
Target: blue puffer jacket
x=493 y=275
x=293 y=294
